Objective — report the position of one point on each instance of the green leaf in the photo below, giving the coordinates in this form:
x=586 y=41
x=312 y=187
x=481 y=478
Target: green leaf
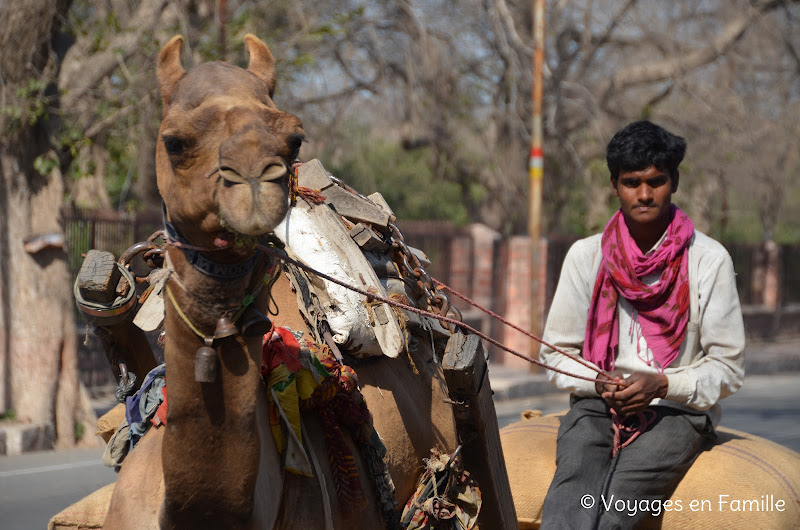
x=45 y=164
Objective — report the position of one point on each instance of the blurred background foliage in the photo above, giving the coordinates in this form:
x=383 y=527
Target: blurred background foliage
x=428 y=101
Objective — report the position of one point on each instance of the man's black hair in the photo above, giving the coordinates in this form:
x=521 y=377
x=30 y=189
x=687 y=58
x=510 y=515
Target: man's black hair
x=642 y=144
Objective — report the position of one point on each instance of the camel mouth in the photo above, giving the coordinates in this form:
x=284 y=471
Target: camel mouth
x=235 y=244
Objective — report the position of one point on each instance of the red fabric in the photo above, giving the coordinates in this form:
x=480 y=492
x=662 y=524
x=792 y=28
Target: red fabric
x=280 y=346
x=663 y=308
x=160 y=417
x=339 y=404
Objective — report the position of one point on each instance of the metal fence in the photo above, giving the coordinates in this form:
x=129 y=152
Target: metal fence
x=115 y=231
x=108 y=230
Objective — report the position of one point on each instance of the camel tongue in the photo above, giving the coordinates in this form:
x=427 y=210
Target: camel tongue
x=224 y=240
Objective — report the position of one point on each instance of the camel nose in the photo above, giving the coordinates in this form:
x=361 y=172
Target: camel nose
x=274 y=171
x=271 y=172
x=250 y=156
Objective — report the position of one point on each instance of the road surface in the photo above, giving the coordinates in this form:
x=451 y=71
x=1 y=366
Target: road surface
x=35 y=486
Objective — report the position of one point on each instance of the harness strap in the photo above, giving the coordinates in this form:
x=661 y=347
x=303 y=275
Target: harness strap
x=194 y=256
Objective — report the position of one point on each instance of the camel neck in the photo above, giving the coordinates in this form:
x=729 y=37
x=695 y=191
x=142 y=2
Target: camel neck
x=222 y=470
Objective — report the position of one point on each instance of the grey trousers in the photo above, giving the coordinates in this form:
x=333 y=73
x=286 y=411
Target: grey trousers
x=591 y=489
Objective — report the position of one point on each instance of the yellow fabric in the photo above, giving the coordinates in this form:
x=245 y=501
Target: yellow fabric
x=288 y=402
x=305 y=383
x=289 y=389
x=751 y=471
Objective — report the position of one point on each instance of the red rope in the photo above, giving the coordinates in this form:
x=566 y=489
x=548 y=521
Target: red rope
x=372 y=296
x=624 y=435
x=311 y=195
x=494 y=315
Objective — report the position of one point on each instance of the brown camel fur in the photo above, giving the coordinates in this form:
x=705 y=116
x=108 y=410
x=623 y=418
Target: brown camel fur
x=223 y=159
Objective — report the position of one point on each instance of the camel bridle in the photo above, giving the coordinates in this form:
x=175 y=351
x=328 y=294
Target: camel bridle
x=237 y=319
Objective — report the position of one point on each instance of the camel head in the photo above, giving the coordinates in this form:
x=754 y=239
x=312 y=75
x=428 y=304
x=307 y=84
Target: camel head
x=224 y=150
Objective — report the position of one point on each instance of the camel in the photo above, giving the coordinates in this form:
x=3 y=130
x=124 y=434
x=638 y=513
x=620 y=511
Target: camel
x=223 y=164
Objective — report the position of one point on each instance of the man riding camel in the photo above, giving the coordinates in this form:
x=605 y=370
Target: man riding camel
x=652 y=304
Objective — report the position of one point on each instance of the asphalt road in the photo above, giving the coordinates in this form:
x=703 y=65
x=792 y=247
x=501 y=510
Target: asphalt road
x=35 y=486
x=766 y=405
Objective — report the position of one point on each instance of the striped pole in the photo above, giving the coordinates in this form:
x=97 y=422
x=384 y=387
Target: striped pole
x=535 y=174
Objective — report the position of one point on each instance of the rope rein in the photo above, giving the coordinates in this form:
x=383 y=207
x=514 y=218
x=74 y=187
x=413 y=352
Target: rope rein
x=314 y=196
x=394 y=303
x=372 y=296
x=494 y=315
x=624 y=434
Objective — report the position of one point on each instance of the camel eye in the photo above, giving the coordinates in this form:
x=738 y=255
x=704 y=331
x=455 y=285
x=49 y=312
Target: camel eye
x=173 y=145
x=295 y=141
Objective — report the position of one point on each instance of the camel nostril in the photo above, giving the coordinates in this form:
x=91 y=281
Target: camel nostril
x=273 y=171
x=230 y=176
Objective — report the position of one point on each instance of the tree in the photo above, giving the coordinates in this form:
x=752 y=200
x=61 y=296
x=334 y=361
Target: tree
x=50 y=116
x=452 y=81
x=723 y=74
x=38 y=348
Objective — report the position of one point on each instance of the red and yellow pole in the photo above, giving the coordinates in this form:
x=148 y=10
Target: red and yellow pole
x=535 y=176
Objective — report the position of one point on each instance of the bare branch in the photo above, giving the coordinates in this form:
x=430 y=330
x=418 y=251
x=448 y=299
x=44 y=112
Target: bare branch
x=662 y=70
x=508 y=21
x=589 y=54
x=79 y=74
x=101 y=126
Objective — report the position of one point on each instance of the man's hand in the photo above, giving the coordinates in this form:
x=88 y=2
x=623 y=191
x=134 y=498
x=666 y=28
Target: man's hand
x=641 y=390
x=616 y=376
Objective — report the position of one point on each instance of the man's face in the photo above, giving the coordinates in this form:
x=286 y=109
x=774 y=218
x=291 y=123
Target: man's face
x=645 y=197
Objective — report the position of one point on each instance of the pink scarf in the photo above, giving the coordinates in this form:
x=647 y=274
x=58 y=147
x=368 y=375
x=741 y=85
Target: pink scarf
x=663 y=308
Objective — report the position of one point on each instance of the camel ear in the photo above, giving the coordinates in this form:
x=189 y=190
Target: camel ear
x=262 y=64
x=169 y=69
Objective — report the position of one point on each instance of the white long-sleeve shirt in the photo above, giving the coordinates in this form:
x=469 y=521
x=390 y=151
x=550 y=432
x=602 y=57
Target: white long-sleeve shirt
x=710 y=365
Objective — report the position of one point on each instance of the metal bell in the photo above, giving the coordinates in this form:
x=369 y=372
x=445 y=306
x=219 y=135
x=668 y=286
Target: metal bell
x=225 y=328
x=254 y=323
x=205 y=363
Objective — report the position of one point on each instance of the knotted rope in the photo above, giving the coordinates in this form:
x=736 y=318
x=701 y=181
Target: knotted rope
x=625 y=434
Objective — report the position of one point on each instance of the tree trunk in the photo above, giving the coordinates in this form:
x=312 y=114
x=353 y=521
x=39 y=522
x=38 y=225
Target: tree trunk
x=38 y=348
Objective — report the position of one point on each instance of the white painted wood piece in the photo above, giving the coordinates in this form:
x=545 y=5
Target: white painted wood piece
x=316 y=236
